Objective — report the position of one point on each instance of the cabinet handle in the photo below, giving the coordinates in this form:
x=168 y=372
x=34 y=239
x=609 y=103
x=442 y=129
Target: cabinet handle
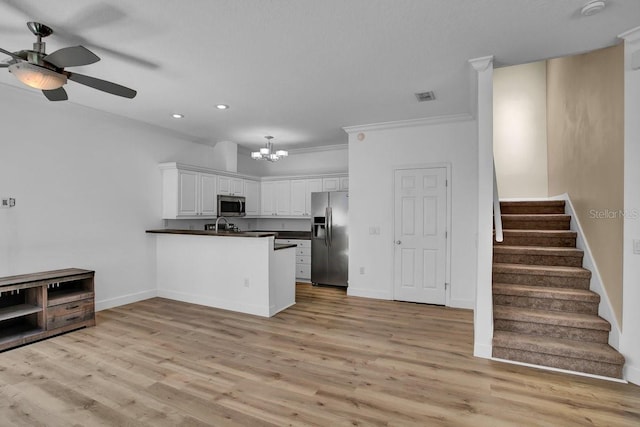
x=73 y=318
x=72 y=307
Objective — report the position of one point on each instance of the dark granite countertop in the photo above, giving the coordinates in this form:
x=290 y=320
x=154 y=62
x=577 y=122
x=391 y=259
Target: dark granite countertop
x=282 y=234
x=214 y=233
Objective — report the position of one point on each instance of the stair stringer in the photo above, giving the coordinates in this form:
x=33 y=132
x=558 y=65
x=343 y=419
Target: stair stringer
x=605 y=309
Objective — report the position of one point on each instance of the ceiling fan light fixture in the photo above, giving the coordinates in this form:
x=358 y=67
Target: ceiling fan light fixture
x=222 y=107
x=37 y=77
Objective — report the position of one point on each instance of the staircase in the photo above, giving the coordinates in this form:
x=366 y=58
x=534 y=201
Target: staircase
x=543 y=310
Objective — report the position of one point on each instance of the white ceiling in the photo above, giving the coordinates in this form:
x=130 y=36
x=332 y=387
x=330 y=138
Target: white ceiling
x=300 y=70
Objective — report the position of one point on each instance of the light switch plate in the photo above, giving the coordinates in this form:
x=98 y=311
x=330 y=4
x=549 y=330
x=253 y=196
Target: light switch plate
x=636 y=246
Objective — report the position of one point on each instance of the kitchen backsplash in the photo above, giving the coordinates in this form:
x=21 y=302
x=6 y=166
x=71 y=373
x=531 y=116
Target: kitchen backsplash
x=243 y=223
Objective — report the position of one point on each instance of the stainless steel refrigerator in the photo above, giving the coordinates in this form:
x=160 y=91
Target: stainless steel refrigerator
x=329 y=238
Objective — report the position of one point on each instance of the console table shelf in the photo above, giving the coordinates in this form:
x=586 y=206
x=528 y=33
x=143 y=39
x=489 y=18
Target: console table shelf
x=40 y=305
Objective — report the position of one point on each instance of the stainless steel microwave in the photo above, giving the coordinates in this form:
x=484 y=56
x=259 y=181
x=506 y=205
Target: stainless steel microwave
x=231 y=206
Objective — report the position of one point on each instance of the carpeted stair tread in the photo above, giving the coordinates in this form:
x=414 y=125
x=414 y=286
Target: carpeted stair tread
x=569 y=294
x=536 y=221
x=541 y=270
x=533 y=206
x=559 y=347
x=547 y=317
x=555 y=238
x=538 y=250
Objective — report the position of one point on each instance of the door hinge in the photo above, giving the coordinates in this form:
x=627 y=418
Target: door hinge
x=446 y=234
x=446 y=182
x=446 y=285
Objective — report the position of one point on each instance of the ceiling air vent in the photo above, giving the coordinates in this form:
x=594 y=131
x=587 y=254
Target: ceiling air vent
x=425 y=96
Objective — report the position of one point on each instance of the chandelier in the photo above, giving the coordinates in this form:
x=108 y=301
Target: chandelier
x=268 y=153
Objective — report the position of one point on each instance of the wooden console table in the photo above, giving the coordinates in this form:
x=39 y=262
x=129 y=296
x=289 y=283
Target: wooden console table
x=40 y=305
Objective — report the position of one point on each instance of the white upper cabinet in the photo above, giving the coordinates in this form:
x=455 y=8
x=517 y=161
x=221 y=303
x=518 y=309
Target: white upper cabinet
x=301 y=190
x=252 y=195
x=208 y=200
x=276 y=198
x=230 y=186
x=283 y=197
x=344 y=183
x=330 y=184
x=188 y=194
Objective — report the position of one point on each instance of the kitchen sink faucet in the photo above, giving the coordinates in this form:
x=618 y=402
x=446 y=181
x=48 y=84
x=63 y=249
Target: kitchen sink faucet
x=218 y=220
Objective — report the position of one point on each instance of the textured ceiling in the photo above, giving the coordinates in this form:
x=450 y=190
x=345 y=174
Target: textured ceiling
x=300 y=69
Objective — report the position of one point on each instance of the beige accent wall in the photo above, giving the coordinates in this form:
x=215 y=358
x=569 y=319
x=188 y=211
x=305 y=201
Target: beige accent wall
x=585 y=110
x=520 y=130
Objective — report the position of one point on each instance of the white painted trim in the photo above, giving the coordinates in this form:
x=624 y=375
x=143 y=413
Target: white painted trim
x=605 y=309
x=564 y=371
x=426 y=121
x=631 y=373
x=483 y=312
x=631 y=36
x=208 y=301
x=369 y=293
x=447 y=269
x=182 y=166
x=482 y=350
x=125 y=299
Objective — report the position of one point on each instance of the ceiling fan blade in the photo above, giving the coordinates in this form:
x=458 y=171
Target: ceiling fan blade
x=11 y=54
x=56 y=94
x=103 y=85
x=72 y=57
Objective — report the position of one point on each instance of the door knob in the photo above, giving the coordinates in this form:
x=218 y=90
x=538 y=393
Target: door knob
x=398 y=242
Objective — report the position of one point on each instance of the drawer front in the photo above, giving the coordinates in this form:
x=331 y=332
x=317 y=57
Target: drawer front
x=302 y=251
x=303 y=260
x=303 y=271
x=297 y=242
x=62 y=315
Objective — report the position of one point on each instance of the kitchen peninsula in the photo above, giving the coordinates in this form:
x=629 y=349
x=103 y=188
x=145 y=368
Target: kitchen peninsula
x=239 y=271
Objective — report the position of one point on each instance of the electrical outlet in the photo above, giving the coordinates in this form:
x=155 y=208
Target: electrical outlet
x=361 y=270
x=246 y=283
x=636 y=246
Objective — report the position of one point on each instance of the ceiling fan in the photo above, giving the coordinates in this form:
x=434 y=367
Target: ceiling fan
x=47 y=72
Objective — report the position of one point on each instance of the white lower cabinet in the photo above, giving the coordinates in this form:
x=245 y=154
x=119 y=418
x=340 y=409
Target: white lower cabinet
x=303 y=258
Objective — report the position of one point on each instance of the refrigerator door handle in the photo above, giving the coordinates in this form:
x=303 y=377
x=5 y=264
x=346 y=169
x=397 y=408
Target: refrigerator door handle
x=326 y=226
x=330 y=233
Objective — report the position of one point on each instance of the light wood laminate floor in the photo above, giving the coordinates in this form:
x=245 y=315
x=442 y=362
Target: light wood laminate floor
x=331 y=360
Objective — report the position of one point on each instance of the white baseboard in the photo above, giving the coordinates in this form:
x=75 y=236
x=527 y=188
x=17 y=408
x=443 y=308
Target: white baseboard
x=215 y=302
x=368 y=293
x=125 y=299
x=564 y=371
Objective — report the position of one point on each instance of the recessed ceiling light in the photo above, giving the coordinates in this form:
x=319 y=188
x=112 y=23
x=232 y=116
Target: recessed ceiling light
x=592 y=7
x=177 y=116
x=222 y=107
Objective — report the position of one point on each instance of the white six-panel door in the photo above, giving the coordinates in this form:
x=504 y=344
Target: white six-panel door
x=420 y=224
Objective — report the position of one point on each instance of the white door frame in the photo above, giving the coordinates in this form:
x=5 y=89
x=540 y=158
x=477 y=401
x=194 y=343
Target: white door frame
x=447 y=269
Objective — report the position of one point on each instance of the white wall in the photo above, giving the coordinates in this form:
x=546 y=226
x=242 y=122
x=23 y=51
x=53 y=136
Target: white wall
x=520 y=130
x=86 y=185
x=629 y=342
x=372 y=162
x=333 y=159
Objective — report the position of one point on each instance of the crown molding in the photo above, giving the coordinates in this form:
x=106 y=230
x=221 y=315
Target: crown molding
x=482 y=63
x=631 y=36
x=426 y=121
